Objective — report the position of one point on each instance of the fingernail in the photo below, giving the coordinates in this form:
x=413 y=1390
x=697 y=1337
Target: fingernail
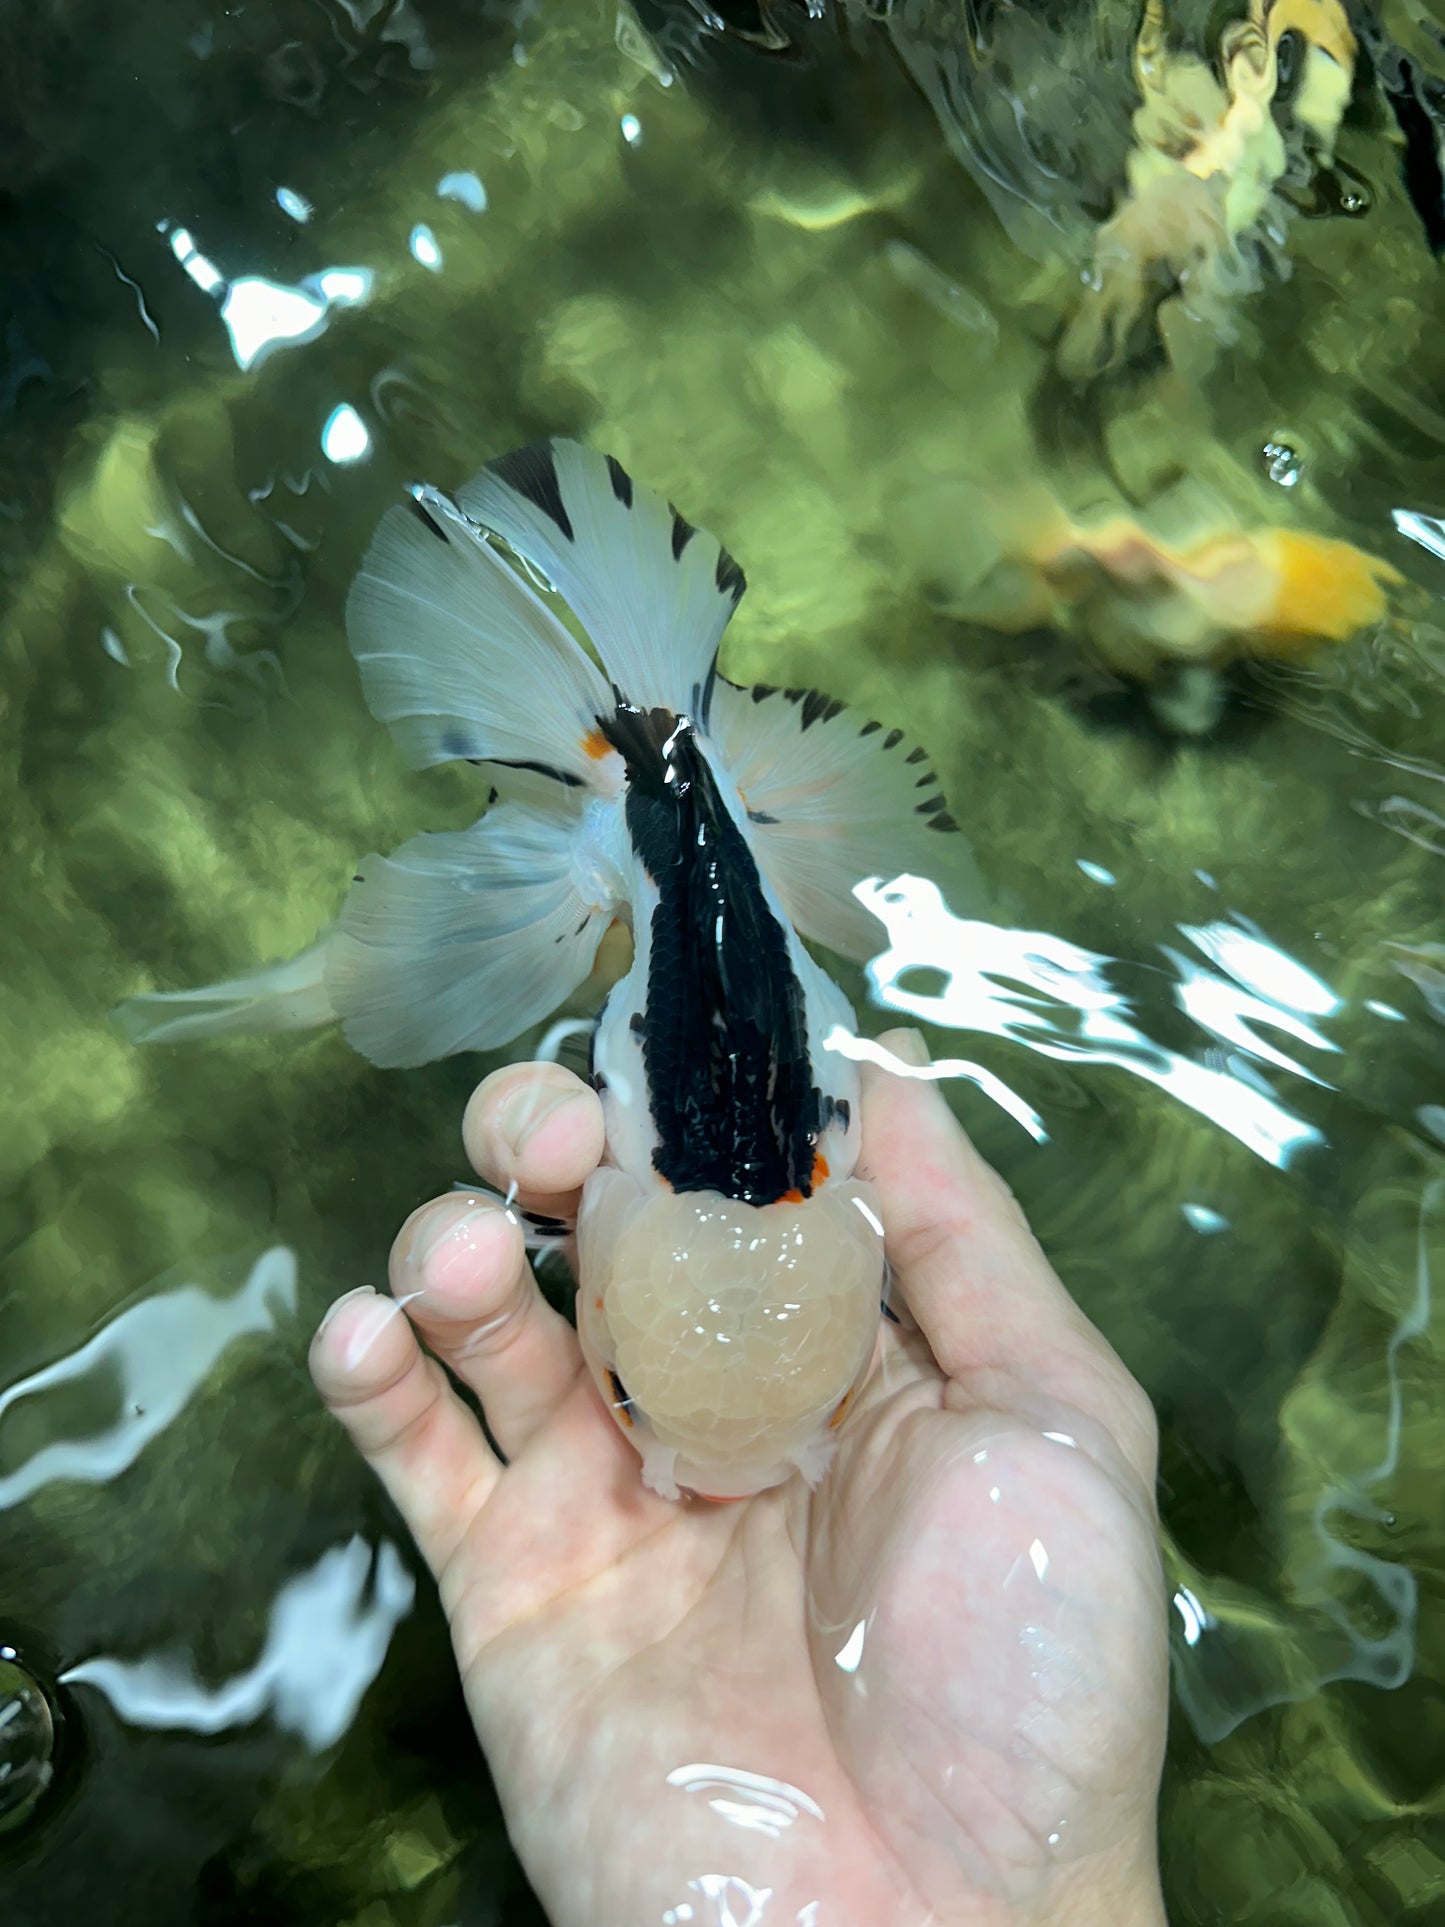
x=346 y=1297
x=910 y=1047
x=368 y=1330
x=444 y=1230
x=527 y=1109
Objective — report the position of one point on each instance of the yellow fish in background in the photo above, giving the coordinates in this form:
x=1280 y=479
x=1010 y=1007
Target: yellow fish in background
x=1172 y=615
x=1207 y=159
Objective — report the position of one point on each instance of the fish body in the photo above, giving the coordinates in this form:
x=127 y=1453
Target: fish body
x=1210 y=592
x=730 y=1262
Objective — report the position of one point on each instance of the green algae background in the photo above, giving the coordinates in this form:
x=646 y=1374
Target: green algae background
x=774 y=295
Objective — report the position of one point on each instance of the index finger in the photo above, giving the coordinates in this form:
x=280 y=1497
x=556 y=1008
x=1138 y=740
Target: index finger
x=973 y=1274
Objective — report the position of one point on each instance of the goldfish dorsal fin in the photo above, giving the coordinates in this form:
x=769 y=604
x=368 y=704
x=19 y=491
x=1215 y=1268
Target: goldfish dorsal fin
x=833 y=798
x=652 y=592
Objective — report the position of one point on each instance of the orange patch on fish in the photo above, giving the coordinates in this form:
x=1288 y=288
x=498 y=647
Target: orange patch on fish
x=596 y=745
x=1324 y=592
x=1323 y=23
x=1266 y=592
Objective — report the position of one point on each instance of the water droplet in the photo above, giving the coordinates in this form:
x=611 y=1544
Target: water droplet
x=1282 y=463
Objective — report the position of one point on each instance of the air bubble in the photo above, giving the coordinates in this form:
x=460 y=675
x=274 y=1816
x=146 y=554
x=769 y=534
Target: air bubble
x=1282 y=463
x=27 y=1742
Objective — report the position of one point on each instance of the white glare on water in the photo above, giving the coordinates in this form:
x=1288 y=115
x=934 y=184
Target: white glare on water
x=464 y=187
x=345 y=437
x=1055 y=997
x=260 y=315
x=424 y=248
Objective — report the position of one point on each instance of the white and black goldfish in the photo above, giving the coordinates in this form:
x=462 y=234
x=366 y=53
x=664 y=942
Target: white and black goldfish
x=731 y=1264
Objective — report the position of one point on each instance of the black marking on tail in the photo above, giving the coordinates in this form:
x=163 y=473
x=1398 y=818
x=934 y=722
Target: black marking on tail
x=893 y=739
x=818 y=708
x=563 y=776
x=729 y=577
x=621 y=481
x=916 y=755
x=426 y=518
x=724 y=1036
x=682 y=533
x=532 y=472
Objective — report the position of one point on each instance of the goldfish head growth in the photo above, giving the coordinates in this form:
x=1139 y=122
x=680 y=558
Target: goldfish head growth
x=727 y=1339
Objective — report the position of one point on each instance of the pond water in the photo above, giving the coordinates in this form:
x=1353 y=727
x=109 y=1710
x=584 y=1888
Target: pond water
x=264 y=265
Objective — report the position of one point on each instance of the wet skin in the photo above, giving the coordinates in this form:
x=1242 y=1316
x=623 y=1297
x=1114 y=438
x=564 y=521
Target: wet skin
x=985 y=1750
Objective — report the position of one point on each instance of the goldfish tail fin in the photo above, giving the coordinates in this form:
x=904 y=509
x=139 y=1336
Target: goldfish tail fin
x=457 y=941
x=834 y=799
x=652 y=593
x=461 y=657
x=284 y=996
x=461 y=940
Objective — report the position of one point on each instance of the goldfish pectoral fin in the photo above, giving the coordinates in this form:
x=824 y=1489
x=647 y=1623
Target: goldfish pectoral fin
x=460 y=656
x=659 y=1466
x=652 y=592
x=463 y=939
x=833 y=799
x=283 y=996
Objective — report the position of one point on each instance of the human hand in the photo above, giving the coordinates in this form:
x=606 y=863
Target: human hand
x=932 y=1690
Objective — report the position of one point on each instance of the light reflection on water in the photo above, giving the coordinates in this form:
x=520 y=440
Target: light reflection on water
x=1055 y=997
x=329 y=1632
x=139 y=1373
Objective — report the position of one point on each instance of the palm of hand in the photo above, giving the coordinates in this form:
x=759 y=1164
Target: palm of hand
x=933 y=1689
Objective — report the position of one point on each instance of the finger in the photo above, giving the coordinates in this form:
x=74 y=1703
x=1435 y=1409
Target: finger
x=460 y=1265
x=984 y=1294
x=537 y=1127
x=405 y=1419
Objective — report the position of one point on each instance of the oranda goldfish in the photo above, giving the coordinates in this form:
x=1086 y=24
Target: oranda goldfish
x=731 y=1262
